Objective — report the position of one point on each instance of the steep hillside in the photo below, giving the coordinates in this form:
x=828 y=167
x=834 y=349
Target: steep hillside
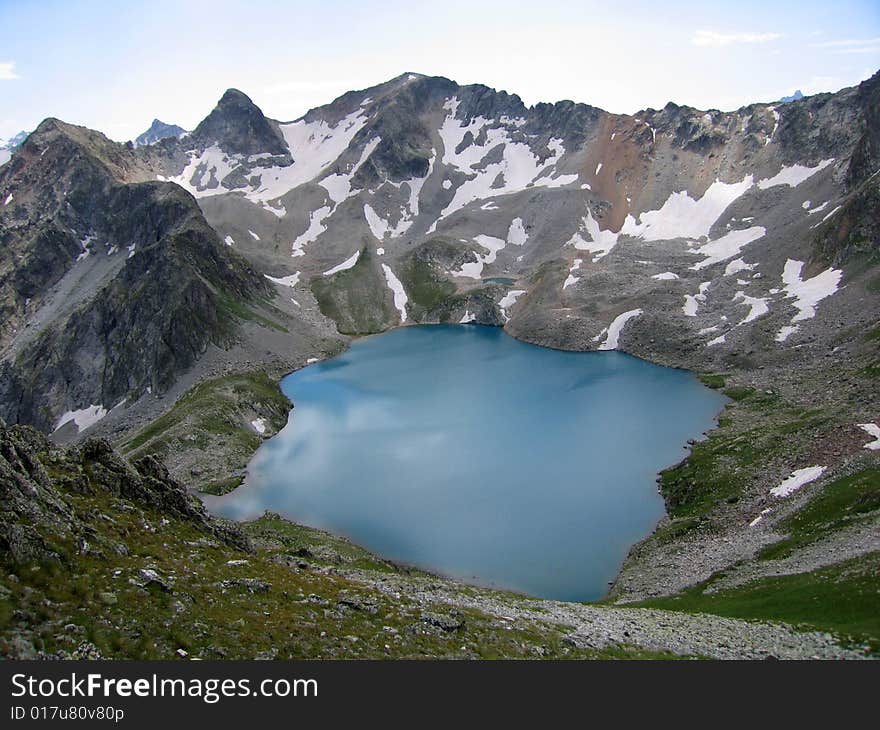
x=111 y=285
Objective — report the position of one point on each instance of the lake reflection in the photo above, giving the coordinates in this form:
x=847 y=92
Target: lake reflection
x=467 y=452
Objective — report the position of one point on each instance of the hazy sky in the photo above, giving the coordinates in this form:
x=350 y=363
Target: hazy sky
x=114 y=66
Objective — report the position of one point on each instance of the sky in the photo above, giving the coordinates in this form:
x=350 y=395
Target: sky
x=114 y=66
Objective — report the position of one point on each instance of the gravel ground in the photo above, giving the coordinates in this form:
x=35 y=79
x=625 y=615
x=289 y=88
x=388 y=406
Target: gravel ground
x=589 y=626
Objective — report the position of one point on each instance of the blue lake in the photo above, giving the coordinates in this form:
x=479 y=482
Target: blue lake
x=464 y=451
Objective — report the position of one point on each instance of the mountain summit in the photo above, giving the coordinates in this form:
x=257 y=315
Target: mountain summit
x=238 y=126
x=158 y=130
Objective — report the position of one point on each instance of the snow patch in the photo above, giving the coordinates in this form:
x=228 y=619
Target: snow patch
x=737 y=265
x=684 y=217
x=793 y=175
x=474 y=270
x=665 y=276
x=516 y=234
x=757 y=306
x=827 y=216
x=761 y=516
x=347 y=264
x=807 y=294
x=508 y=300
x=380 y=227
x=290 y=281
x=82 y=418
x=400 y=298
x=616 y=327
x=315 y=229
x=775 y=114
x=572 y=279
x=600 y=242
x=517 y=169
x=338 y=185
x=692 y=301
x=730 y=244
x=259 y=425
x=798 y=478
x=872 y=429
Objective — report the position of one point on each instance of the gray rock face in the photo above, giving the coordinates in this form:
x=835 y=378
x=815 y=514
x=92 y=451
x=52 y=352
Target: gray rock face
x=14 y=142
x=239 y=127
x=591 y=214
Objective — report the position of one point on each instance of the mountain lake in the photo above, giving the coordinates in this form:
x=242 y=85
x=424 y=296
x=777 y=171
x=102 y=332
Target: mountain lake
x=463 y=451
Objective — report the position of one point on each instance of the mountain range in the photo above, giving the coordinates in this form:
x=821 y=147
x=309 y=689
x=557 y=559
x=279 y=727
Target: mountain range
x=419 y=200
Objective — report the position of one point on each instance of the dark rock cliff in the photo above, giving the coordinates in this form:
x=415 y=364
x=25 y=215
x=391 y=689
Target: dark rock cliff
x=165 y=291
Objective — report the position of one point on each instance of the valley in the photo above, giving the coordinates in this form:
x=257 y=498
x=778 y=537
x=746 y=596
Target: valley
x=154 y=295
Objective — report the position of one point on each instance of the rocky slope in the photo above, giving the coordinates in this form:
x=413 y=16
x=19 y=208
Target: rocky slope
x=689 y=216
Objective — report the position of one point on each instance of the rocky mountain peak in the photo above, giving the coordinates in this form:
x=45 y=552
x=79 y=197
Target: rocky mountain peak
x=239 y=127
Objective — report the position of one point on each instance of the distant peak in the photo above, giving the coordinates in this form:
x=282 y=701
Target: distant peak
x=159 y=130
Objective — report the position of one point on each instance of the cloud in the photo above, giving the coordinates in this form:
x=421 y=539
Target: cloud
x=7 y=71
x=851 y=45
x=710 y=38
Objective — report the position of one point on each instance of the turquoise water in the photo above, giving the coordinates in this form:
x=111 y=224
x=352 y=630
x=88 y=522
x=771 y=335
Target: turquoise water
x=467 y=452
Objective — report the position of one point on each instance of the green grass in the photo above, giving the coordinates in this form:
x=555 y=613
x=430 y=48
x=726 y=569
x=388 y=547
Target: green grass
x=220 y=486
x=841 y=503
x=843 y=599
x=424 y=286
x=240 y=311
x=720 y=465
x=210 y=426
x=356 y=299
x=213 y=408
x=713 y=380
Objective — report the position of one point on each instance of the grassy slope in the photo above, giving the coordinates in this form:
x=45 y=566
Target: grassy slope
x=756 y=429
x=357 y=299
x=843 y=599
x=280 y=601
x=211 y=423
